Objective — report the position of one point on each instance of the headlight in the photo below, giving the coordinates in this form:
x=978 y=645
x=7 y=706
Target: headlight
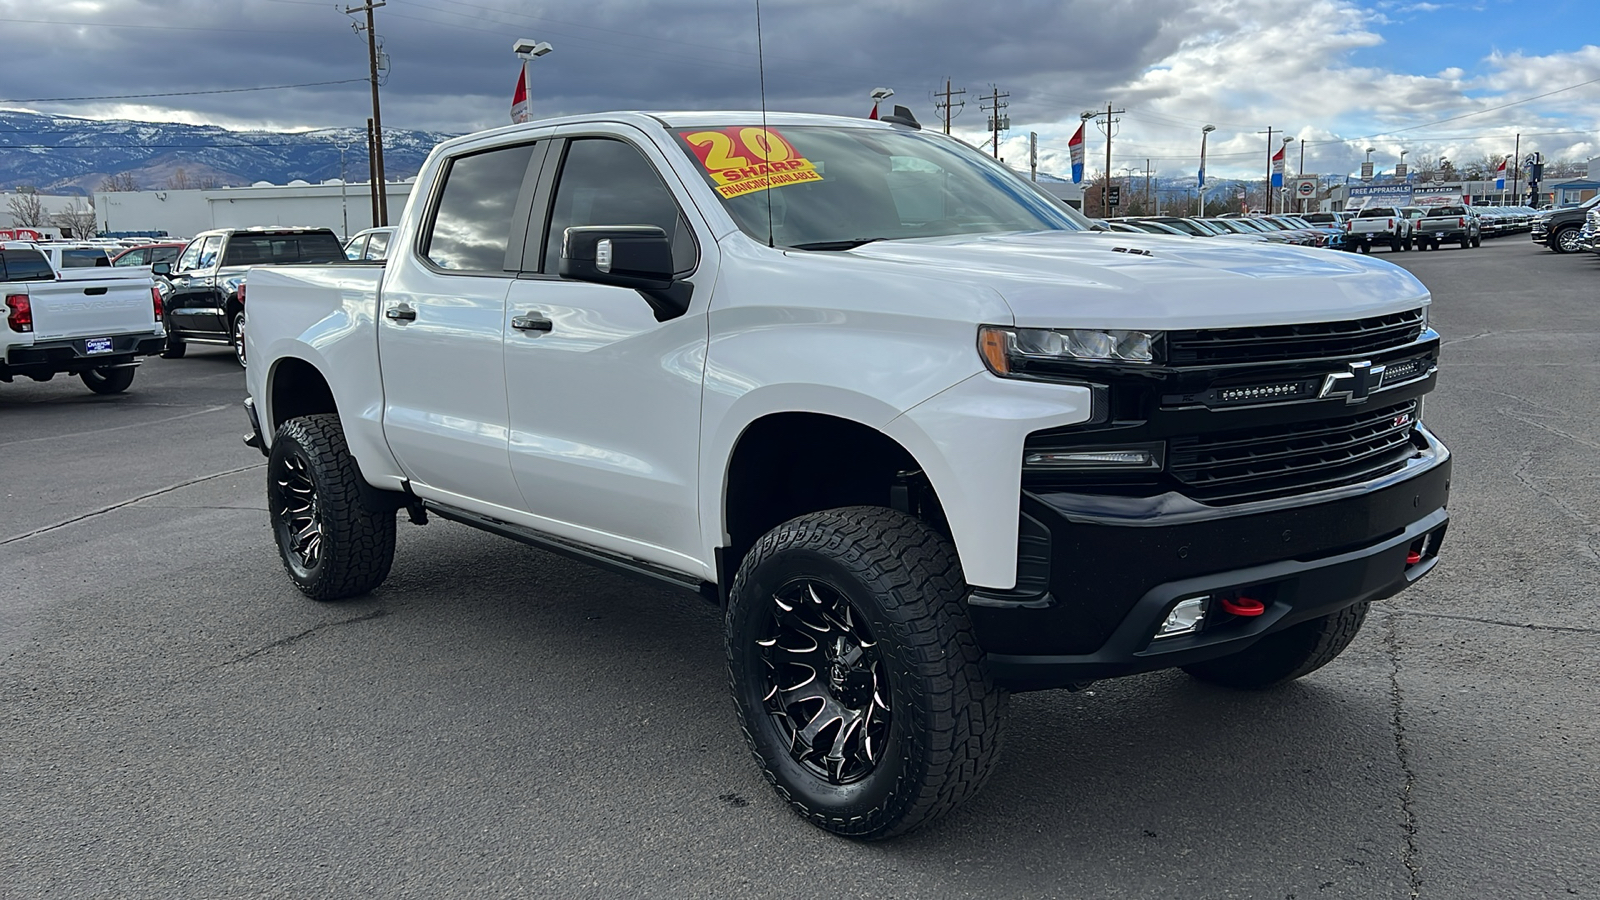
x=1007 y=351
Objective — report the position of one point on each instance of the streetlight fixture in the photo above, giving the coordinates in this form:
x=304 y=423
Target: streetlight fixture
x=522 y=102
x=878 y=96
x=1203 y=133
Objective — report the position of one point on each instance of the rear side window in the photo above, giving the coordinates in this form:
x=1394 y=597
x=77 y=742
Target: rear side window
x=25 y=265
x=471 y=227
x=282 y=249
x=84 y=259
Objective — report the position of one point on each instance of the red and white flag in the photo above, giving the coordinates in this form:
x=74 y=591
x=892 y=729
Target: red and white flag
x=1277 y=168
x=874 y=113
x=519 y=100
x=1076 y=147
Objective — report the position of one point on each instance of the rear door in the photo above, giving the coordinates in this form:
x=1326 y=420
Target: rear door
x=440 y=335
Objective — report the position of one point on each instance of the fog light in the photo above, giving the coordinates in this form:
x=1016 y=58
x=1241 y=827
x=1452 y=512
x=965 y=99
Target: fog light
x=1185 y=618
x=1147 y=458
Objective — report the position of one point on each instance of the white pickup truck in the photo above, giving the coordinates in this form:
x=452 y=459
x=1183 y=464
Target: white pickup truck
x=95 y=328
x=925 y=436
x=1379 y=225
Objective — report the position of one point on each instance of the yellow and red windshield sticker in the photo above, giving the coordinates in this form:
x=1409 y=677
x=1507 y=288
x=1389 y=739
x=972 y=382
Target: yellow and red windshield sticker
x=742 y=160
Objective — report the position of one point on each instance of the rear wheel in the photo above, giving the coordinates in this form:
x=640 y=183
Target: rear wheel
x=107 y=381
x=1395 y=245
x=863 y=693
x=236 y=334
x=333 y=544
x=174 y=349
x=1285 y=656
x=1477 y=240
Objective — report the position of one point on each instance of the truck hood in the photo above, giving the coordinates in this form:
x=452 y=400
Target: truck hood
x=1156 y=282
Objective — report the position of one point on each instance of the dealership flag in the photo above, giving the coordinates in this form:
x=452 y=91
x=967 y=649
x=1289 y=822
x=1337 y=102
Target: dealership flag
x=1076 y=146
x=1500 y=177
x=519 y=100
x=874 y=110
x=1277 y=167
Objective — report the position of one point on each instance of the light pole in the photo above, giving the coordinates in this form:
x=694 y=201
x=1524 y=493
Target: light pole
x=1401 y=166
x=1204 y=132
x=1301 y=171
x=878 y=96
x=344 y=200
x=528 y=49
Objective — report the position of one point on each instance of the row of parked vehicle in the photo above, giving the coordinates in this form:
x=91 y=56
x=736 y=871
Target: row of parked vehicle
x=1399 y=228
x=1295 y=230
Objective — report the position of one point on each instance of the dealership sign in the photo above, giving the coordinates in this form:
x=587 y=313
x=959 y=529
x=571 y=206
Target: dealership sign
x=1440 y=194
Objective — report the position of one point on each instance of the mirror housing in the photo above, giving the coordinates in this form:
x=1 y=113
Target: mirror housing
x=629 y=256
x=162 y=269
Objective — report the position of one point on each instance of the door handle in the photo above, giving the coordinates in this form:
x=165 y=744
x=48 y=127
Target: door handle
x=401 y=313
x=531 y=323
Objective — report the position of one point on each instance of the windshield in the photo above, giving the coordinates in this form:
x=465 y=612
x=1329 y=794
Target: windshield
x=832 y=188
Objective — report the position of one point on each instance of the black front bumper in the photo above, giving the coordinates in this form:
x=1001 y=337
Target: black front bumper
x=1096 y=578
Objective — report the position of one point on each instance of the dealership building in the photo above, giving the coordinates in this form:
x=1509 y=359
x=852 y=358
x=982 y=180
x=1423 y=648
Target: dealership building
x=345 y=208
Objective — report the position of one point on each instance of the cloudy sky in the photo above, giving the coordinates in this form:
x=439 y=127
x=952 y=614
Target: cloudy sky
x=1339 y=75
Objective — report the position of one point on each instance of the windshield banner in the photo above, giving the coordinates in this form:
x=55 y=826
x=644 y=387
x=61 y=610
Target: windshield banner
x=744 y=160
x=1431 y=195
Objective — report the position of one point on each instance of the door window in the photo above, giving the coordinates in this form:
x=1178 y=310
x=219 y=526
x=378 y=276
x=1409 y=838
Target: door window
x=378 y=247
x=132 y=258
x=353 y=249
x=472 y=226
x=609 y=182
x=209 y=251
x=191 y=256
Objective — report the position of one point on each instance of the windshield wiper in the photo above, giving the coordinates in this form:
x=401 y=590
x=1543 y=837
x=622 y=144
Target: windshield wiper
x=835 y=245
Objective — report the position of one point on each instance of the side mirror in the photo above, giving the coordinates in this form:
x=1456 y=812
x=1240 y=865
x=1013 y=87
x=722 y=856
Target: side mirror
x=162 y=269
x=629 y=256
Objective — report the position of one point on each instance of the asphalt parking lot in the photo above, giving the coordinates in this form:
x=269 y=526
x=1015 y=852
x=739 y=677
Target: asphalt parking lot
x=178 y=721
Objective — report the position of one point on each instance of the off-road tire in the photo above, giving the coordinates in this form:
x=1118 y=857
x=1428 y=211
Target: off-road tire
x=174 y=349
x=356 y=541
x=904 y=581
x=107 y=381
x=1287 y=655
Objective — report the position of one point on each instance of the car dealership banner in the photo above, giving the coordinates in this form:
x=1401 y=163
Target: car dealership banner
x=1440 y=194
x=1378 y=195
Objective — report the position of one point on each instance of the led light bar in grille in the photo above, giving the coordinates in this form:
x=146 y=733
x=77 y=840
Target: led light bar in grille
x=1395 y=373
x=1262 y=392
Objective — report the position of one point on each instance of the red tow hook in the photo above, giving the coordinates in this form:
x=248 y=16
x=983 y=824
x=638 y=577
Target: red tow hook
x=1243 y=606
x=1413 y=557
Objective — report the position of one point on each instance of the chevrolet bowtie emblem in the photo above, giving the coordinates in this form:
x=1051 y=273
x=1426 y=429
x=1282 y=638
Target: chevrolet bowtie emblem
x=1355 y=385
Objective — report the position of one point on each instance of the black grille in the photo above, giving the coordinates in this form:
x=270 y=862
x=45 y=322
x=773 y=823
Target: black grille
x=1319 y=340
x=1260 y=463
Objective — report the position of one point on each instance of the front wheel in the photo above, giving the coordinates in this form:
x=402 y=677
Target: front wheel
x=1477 y=240
x=1287 y=655
x=1566 y=240
x=174 y=348
x=863 y=693
x=332 y=543
x=107 y=381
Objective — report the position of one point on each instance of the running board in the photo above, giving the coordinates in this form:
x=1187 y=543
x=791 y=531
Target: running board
x=604 y=559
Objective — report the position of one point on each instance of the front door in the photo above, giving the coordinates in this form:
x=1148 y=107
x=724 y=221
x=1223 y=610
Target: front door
x=441 y=329
x=605 y=400
x=193 y=307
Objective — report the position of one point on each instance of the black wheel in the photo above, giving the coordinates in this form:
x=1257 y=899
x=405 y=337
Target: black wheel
x=1287 y=655
x=1466 y=242
x=1407 y=244
x=863 y=694
x=1364 y=247
x=1566 y=240
x=107 y=381
x=1477 y=240
x=332 y=544
x=174 y=349
x=1395 y=245
x=236 y=335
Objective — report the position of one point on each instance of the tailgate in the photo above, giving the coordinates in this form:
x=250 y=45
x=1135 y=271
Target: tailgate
x=86 y=309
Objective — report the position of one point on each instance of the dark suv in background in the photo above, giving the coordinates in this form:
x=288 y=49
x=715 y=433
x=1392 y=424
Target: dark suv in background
x=206 y=303
x=1561 y=229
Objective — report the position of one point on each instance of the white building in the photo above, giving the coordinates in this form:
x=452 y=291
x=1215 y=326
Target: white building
x=52 y=205
x=184 y=214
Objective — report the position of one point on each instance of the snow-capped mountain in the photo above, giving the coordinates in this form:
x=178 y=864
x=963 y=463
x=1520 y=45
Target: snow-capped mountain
x=61 y=154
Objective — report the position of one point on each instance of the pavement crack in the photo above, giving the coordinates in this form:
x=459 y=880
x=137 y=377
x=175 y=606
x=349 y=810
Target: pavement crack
x=1588 y=542
x=116 y=506
x=1530 y=626
x=1402 y=749
x=1463 y=340
x=296 y=638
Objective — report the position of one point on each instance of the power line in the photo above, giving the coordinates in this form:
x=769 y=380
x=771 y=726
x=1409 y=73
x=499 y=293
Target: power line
x=272 y=87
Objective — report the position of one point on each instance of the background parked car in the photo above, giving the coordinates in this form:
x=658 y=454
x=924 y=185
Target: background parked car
x=1559 y=229
x=372 y=244
x=149 y=254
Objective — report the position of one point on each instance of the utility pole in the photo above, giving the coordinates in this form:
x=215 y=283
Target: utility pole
x=1148 y=205
x=997 y=121
x=1268 y=133
x=946 y=106
x=1108 y=125
x=378 y=180
x=372 y=181
x=1516 y=164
